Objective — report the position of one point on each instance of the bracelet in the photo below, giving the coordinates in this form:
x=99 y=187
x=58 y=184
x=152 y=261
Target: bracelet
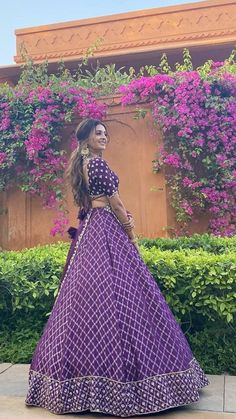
x=127 y=228
x=129 y=219
x=126 y=223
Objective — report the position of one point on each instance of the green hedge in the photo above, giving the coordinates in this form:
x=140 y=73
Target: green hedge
x=207 y=242
x=197 y=275
x=195 y=282
x=29 y=279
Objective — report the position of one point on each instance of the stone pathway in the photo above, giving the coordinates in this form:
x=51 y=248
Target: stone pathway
x=218 y=400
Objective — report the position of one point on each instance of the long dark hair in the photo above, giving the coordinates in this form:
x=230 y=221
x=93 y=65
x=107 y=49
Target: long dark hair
x=75 y=166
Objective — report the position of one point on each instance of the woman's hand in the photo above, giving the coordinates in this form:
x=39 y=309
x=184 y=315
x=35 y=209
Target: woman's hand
x=129 y=226
x=131 y=221
x=137 y=247
x=134 y=241
x=123 y=215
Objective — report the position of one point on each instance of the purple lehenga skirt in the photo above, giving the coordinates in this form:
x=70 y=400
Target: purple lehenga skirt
x=111 y=343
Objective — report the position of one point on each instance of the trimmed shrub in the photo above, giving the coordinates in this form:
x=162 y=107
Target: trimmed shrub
x=207 y=242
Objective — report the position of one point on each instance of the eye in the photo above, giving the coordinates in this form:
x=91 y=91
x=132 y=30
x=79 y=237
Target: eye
x=100 y=132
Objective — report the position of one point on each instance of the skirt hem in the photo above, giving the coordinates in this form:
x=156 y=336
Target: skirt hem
x=123 y=399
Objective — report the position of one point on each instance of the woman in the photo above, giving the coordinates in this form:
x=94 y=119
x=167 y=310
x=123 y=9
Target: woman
x=111 y=343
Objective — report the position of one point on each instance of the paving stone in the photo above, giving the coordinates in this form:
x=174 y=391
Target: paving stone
x=212 y=396
x=14 y=408
x=230 y=394
x=4 y=366
x=14 y=381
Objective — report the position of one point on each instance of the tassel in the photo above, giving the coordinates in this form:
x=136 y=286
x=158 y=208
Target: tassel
x=82 y=214
x=72 y=232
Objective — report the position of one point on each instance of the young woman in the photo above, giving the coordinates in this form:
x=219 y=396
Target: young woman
x=111 y=343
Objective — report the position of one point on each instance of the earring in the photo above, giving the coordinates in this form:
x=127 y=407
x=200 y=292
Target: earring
x=85 y=151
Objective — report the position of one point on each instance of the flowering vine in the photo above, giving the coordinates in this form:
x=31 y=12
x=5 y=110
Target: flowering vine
x=196 y=110
x=31 y=120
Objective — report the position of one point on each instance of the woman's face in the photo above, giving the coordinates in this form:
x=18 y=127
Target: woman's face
x=97 y=140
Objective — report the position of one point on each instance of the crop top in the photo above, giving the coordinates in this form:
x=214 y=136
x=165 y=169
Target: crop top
x=102 y=180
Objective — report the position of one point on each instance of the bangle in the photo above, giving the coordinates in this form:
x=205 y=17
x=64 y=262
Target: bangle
x=126 y=223
x=127 y=228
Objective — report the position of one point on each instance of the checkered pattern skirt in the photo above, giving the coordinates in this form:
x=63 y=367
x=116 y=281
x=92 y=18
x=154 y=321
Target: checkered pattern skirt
x=111 y=343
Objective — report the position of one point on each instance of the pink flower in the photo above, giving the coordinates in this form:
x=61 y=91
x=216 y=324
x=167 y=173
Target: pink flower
x=188 y=209
x=59 y=225
x=3 y=157
x=194 y=154
x=198 y=121
x=187 y=182
x=173 y=160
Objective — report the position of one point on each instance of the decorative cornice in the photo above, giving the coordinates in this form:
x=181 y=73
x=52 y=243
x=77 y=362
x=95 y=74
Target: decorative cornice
x=154 y=29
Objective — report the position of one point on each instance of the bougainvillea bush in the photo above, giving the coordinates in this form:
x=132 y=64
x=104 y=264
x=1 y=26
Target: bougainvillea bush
x=32 y=115
x=196 y=110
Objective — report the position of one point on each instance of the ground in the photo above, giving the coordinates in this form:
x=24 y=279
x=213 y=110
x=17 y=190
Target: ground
x=218 y=400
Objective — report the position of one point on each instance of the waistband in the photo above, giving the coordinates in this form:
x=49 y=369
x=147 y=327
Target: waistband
x=82 y=212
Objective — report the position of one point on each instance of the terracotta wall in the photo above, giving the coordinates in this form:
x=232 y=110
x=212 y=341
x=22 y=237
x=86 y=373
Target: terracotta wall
x=23 y=222
x=205 y=23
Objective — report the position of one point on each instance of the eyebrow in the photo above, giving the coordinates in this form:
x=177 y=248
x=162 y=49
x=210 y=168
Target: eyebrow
x=99 y=130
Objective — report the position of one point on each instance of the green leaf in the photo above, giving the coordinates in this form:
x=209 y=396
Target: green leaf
x=222 y=307
x=229 y=317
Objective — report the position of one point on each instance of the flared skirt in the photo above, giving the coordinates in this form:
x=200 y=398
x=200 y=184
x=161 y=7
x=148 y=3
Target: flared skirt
x=111 y=343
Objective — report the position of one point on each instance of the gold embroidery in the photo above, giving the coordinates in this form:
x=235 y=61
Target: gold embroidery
x=91 y=377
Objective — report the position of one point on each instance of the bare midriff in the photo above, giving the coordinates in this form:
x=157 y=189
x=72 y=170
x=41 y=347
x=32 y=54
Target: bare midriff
x=100 y=202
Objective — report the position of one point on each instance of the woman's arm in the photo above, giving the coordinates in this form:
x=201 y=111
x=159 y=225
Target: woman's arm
x=120 y=211
x=102 y=175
